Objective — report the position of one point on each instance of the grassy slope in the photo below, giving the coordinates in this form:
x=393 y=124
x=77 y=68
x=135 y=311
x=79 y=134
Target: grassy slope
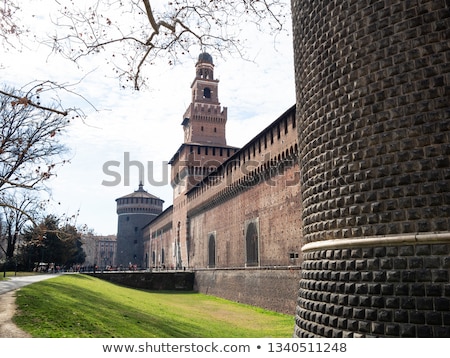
x=82 y=306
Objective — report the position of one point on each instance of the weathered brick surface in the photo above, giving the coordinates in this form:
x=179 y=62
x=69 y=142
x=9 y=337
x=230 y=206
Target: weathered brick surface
x=170 y=281
x=260 y=183
x=272 y=289
x=158 y=242
x=373 y=99
x=273 y=204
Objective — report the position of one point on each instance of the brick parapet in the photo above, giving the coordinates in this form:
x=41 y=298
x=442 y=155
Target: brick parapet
x=263 y=157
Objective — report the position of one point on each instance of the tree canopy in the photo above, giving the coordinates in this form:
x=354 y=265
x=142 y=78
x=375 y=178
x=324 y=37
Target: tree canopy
x=52 y=242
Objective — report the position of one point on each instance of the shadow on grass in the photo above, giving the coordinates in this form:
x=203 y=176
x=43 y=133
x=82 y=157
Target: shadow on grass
x=59 y=309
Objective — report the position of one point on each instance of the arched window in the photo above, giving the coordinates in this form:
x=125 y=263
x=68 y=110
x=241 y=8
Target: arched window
x=206 y=92
x=251 y=243
x=211 y=251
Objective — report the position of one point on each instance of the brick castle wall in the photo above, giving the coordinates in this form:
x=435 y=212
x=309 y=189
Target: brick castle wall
x=258 y=185
x=272 y=205
x=272 y=289
x=158 y=281
x=373 y=90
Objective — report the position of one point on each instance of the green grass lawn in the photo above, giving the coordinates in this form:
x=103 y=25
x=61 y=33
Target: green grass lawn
x=83 y=306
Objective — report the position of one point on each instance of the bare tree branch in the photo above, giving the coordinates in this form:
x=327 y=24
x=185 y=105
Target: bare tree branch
x=26 y=101
x=9 y=22
x=29 y=143
x=138 y=32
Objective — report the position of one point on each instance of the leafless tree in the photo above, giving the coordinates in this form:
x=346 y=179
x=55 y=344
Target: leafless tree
x=30 y=97
x=10 y=25
x=135 y=33
x=13 y=29
x=30 y=148
x=16 y=210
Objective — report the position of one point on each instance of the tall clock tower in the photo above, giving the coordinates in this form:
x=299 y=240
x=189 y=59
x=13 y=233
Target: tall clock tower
x=203 y=150
x=204 y=120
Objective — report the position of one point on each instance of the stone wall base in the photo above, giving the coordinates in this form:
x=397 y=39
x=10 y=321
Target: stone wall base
x=274 y=289
x=395 y=286
x=164 y=281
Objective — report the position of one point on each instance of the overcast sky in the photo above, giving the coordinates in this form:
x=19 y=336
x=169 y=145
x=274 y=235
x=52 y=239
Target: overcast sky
x=145 y=126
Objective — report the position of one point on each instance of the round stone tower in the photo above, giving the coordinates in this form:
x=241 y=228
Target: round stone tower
x=135 y=210
x=373 y=90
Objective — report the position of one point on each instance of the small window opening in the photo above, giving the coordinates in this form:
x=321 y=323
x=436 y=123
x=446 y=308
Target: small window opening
x=206 y=93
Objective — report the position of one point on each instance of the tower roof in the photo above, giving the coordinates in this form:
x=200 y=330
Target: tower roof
x=205 y=57
x=140 y=193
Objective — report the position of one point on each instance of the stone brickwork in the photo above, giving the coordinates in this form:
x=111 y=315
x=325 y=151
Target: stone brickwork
x=373 y=99
x=273 y=209
x=375 y=291
x=159 y=281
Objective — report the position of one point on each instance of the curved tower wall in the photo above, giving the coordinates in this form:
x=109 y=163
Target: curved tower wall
x=134 y=212
x=373 y=93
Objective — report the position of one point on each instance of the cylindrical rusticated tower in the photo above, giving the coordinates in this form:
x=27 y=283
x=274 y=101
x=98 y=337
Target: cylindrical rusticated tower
x=373 y=90
x=134 y=211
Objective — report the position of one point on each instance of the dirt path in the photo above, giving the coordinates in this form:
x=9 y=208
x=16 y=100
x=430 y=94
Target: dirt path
x=7 y=309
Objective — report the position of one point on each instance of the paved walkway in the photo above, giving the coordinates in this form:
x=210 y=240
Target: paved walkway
x=15 y=282
x=8 y=303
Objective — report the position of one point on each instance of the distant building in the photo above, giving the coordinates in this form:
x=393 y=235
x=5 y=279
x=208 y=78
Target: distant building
x=100 y=250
